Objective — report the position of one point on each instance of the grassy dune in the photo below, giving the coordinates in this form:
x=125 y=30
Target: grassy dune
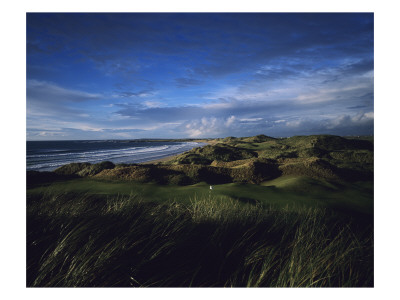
x=295 y=212
x=284 y=191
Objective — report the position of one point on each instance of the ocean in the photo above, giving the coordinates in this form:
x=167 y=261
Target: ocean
x=49 y=155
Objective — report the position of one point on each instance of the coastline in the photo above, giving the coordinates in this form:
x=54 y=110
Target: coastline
x=50 y=158
x=170 y=157
x=164 y=159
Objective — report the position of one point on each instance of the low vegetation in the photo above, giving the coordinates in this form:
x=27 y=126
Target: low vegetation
x=86 y=241
x=251 y=160
x=290 y=212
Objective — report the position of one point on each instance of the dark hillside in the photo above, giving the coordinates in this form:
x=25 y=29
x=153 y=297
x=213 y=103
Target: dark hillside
x=218 y=152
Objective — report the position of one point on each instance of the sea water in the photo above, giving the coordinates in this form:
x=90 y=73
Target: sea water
x=49 y=155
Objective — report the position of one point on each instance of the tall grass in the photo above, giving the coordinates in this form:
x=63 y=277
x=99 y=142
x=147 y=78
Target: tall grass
x=90 y=241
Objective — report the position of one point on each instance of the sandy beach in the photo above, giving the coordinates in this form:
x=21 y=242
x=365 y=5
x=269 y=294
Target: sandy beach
x=164 y=159
x=167 y=158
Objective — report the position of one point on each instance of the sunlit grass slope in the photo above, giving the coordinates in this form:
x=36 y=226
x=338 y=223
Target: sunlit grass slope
x=289 y=190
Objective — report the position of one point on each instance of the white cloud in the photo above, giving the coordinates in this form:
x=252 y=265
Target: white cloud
x=209 y=127
x=250 y=119
x=348 y=80
x=341 y=124
x=152 y=104
x=230 y=121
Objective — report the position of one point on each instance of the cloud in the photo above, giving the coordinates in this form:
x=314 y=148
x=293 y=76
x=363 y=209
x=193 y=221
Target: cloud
x=209 y=127
x=345 y=121
x=50 y=106
x=125 y=43
x=42 y=91
x=185 y=82
x=230 y=121
x=251 y=120
x=359 y=124
x=140 y=94
x=152 y=104
x=249 y=117
x=83 y=133
x=200 y=74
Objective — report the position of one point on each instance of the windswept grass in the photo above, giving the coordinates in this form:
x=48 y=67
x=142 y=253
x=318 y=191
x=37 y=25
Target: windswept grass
x=290 y=212
x=85 y=240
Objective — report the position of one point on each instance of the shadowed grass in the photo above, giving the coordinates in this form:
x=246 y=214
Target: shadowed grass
x=86 y=240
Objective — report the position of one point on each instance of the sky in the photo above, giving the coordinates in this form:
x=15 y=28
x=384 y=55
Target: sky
x=198 y=75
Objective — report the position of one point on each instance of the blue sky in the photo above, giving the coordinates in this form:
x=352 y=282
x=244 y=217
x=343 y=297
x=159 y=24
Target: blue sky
x=121 y=76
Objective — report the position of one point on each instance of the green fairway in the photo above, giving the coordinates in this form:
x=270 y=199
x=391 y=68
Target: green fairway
x=293 y=191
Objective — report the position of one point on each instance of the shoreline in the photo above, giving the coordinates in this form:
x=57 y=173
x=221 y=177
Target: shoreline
x=154 y=160
x=170 y=157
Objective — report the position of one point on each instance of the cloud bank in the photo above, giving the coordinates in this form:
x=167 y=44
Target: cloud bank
x=92 y=76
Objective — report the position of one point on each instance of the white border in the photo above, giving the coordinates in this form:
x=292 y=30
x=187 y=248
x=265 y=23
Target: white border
x=13 y=149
